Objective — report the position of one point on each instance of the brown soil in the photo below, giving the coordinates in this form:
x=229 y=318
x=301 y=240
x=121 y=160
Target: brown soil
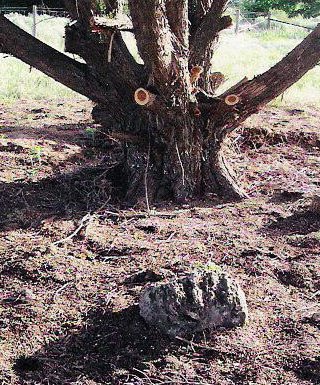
x=68 y=306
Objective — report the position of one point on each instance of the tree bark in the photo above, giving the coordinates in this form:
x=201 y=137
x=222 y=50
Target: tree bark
x=177 y=11
x=118 y=71
x=154 y=40
x=208 y=30
x=80 y=10
x=114 y=6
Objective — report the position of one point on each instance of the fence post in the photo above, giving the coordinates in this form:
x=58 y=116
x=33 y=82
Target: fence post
x=34 y=20
x=269 y=20
x=237 y=26
x=34 y=25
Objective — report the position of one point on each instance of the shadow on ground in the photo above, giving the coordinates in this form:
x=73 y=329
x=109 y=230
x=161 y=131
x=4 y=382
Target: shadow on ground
x=302 y=223
x=107 y=348
x=60 y=133
x=26 y=204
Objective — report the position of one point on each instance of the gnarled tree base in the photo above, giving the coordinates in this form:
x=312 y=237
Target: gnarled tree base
x=162 y=178
x=160 y=162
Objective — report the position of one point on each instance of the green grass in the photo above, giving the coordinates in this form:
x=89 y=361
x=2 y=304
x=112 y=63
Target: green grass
x=251 y=53
x=246 y=54
x=18 y=81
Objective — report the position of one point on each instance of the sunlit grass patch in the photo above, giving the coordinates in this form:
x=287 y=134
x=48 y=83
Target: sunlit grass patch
x=251 y=53
x=18 y=81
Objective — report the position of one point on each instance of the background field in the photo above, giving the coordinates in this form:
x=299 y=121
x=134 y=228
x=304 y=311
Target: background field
x=246 y=54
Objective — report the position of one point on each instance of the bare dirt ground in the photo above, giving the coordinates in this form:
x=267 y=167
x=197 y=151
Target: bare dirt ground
x=69 y=256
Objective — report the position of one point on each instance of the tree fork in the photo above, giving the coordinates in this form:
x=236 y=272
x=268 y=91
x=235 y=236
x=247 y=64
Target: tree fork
x=120 y=73
x=204 y=36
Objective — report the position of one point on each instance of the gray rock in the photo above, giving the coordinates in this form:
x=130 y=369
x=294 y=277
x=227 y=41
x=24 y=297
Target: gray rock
x=200 y=301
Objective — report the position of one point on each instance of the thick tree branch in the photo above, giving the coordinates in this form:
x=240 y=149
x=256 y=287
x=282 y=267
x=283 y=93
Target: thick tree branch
x=207 y=33
x=80 y=9
x=177 y=12
x=58 y=66
x=262 y=89
x=204 y=39
x=114 y=6
x=197 y=11
x=154 y=38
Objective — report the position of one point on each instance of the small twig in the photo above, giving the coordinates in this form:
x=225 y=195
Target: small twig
x=181 y=164
x=194 y=344
x=112 y=244
x=173 y=214
x=308 y=307
x=146 y=176
x=111 y=213
x=115 y=257
x=137 y=215
x=315 y=294
x=110 y=47
x=183 y=382
x=144 y=374
x=60 y=290
x=77 y=7
x=171 y=236
x=82 y=224
x=202 y=6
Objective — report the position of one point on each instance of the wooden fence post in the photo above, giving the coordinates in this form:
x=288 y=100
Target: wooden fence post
x=269 y=20
x=237 y=26
x=34 y=20
x=34 y=25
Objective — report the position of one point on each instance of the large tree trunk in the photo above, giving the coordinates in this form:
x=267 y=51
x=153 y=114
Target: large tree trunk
x=166 y=112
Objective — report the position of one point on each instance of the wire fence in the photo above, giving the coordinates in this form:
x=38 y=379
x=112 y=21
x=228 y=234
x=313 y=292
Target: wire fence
x=259 y=21
x=243 y=21
x=53 y=12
